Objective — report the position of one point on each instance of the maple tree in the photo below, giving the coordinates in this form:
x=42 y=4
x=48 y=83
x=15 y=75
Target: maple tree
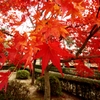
x=52 y=22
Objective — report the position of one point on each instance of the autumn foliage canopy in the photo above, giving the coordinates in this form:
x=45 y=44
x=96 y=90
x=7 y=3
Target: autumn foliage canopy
x=55 y=25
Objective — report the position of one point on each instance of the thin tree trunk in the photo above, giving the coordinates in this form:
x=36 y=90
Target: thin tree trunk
x=33 y=73
x=47 y=85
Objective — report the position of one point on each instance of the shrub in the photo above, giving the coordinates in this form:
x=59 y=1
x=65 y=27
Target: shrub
x=22 y=74
x=15 y=91
x=13 y=68
x=55 y=85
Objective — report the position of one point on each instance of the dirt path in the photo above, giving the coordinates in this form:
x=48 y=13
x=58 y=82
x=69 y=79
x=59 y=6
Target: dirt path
x=34 y=95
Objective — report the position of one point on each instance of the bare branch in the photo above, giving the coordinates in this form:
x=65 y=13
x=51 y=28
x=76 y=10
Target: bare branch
x=31 y=21
x=5 y=32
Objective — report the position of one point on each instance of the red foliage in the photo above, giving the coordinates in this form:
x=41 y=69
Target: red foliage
x=53 y=21
x=82 y=69
x=4 y=80
x=51 y=51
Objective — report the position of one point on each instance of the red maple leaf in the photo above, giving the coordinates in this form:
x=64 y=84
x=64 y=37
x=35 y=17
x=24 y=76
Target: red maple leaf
x=27 y=58
x=4 y=79
x=51 y=51
x=83 y=70
x=65 y=4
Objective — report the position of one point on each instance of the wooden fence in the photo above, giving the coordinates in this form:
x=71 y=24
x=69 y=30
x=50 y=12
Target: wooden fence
x=86 y=88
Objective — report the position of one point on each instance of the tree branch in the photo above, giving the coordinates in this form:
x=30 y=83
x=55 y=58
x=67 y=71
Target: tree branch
x=5 y=32
x=80 y=57
x=31 y=21
x=92 y=32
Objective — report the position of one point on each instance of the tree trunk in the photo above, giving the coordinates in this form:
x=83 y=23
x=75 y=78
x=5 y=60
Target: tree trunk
x=33 y=73
x=47 y=85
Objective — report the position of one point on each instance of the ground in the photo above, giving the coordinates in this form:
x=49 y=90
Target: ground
x=34 y=95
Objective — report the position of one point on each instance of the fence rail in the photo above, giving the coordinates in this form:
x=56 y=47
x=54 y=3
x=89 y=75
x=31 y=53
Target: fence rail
x=86 y=88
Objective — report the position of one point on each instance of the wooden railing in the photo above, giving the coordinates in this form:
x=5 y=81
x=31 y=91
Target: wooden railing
x=81 y=89
x=86 y=88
